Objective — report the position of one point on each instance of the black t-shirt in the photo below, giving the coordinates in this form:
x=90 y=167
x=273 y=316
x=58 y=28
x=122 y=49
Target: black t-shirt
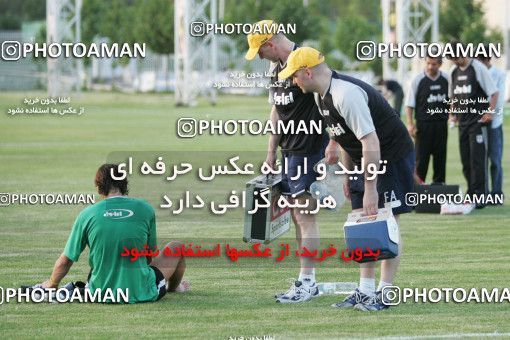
x=292 y=104
x=470 y=86
x=352 y=109
x=429 y=97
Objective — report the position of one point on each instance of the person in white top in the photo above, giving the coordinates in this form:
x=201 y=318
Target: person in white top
x=496 y=129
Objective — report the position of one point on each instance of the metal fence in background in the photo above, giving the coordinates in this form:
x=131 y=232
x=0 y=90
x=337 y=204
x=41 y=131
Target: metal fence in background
x=154 y=73
x=23 y=74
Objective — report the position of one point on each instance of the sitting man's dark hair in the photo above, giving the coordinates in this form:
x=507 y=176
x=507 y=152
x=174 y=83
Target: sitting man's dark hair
x=106 y=183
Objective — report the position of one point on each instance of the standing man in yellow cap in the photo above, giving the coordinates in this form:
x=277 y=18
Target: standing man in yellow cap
x=289 y=103
x=364 y=125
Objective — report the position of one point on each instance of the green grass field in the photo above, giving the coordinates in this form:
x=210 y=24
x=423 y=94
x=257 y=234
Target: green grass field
x=56 y=154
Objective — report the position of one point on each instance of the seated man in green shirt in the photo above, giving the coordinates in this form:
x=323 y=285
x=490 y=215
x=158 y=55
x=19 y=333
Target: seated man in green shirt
x=107 y=228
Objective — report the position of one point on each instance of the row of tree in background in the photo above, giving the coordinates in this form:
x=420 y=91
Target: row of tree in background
x=334 y=26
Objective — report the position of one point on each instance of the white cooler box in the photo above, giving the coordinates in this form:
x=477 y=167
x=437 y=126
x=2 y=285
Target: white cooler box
x=377 y=232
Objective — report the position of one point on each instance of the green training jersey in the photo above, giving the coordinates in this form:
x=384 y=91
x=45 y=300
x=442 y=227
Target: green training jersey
x=108 y=228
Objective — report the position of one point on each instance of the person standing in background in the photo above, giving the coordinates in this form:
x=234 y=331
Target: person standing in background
x=427 y=97
x=394 y=93
x=470 y=86
x=496 y=128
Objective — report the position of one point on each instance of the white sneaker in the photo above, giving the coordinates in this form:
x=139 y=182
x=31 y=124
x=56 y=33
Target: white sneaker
x=299 y=292
x=314 y=288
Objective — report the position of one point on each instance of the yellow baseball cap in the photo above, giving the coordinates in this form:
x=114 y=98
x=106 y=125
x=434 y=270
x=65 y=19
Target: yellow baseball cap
x=303 y=57
x=262 y=31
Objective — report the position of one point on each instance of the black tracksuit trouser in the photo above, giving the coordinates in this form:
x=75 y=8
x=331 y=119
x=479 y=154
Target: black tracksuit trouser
x=431 y=140
x=473 y=143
